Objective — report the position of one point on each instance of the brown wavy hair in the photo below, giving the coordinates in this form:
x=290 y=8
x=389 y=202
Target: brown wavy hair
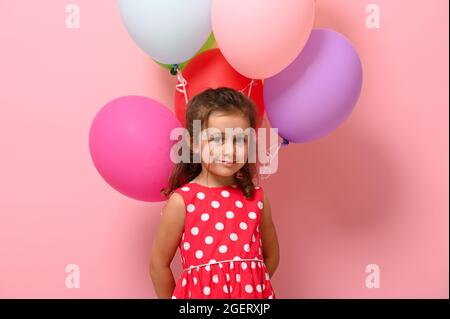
x=200 y=107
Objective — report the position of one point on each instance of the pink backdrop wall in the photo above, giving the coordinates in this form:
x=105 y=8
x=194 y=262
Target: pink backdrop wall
x=373 y=192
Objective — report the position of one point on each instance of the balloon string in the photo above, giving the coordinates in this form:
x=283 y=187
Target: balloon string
x=249 y=86
x=181 y=86
x=271 y=154
x=250 y=89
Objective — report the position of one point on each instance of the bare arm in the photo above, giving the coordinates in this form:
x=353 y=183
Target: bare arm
x=271 y=249
x=167 y=239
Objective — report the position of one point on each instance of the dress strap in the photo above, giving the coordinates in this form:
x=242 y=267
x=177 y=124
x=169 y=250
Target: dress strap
x=222 y=261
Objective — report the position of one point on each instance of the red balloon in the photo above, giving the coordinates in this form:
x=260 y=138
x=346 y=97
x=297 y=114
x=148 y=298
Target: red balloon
x=210 y=70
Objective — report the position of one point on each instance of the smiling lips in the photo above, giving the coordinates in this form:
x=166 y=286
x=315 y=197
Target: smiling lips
x=226 y=163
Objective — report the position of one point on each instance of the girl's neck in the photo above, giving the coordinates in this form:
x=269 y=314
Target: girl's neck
x=212 y=180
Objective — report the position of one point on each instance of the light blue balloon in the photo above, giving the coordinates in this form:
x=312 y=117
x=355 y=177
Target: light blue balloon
x=169 y=31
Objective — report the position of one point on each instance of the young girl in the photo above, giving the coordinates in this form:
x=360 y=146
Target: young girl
x=215 y=215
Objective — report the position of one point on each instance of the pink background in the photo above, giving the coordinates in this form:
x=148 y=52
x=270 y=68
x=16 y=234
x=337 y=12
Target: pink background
x=373 y=191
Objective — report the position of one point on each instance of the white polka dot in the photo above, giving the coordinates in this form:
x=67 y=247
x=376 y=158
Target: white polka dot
x=249 y=289
x=215 y=204
x=228 y=277
x=189 y=294
x=212 y=261
x=253 y=238
x=260 y=205
x=257 y=228
x=184 y=282
x=207 y=267
x=257 y=187
x=200 y=195
x=206 y=290
x=205 y=217
x=215 y=279
x=238 y=204
x=173 y=297
x=243 y=265
x=223 y=249
x=190 y=208
x=252 y=215
x=253 y=265
x=243 y=226
x=258 y=288
x=195 y=280
x=236 y=258
x=247 y=247
x=233 y=236
x=270 y=297
x=225 y=194
x=209 y=240
x=229 y=214
x=199 y=254
x=186 y=245
x=263 y=287
x=267 y=276
x=185 y=189
x=231 y=265
x=225 y=288
x=194 y=231
x=220 y=265
x=219 y=226
x=238 y=277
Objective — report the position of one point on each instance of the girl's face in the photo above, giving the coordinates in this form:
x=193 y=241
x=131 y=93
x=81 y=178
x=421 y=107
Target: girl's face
x=224 y=145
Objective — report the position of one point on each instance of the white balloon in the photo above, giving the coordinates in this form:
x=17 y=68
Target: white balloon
x=169 y=31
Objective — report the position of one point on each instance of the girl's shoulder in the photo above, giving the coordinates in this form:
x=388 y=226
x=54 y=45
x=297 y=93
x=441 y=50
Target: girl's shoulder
x=185 y=188
x=186 y=191
x=259 y=194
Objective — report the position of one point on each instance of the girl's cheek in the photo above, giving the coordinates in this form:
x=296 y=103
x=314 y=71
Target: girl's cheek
x=241 y=153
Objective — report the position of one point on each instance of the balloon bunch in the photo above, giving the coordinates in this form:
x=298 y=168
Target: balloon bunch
x=306 y=80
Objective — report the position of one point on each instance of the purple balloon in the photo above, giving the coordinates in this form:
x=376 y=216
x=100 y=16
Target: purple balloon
x=318 y=91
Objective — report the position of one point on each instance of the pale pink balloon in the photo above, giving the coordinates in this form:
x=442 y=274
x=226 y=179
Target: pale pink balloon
x=130 y=145
x=260 y=38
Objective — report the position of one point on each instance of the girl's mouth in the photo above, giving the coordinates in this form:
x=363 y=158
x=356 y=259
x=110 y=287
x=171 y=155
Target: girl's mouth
x=226 y=163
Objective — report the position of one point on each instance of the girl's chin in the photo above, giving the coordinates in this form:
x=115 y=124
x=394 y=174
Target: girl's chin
x=225 y=170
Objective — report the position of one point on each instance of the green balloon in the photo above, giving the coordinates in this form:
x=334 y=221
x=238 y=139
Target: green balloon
x=209 y=44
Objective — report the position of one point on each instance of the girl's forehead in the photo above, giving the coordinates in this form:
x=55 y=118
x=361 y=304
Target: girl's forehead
x=221 y=121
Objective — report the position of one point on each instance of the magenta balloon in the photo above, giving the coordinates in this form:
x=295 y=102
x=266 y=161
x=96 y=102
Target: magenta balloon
x=318 y=91
x=130 y=144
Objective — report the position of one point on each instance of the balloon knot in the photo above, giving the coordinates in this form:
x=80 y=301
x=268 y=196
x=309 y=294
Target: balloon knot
x=174 y=69
x=285 y=142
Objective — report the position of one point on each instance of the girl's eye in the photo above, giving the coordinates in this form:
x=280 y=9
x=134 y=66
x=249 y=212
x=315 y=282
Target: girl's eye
x=240 y=139
x=217 y=139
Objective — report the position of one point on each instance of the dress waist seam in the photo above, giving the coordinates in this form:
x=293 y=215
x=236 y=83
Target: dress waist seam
x=222 y=261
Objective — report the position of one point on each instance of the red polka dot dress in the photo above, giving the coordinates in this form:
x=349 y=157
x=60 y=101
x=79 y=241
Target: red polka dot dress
x=221 y=249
